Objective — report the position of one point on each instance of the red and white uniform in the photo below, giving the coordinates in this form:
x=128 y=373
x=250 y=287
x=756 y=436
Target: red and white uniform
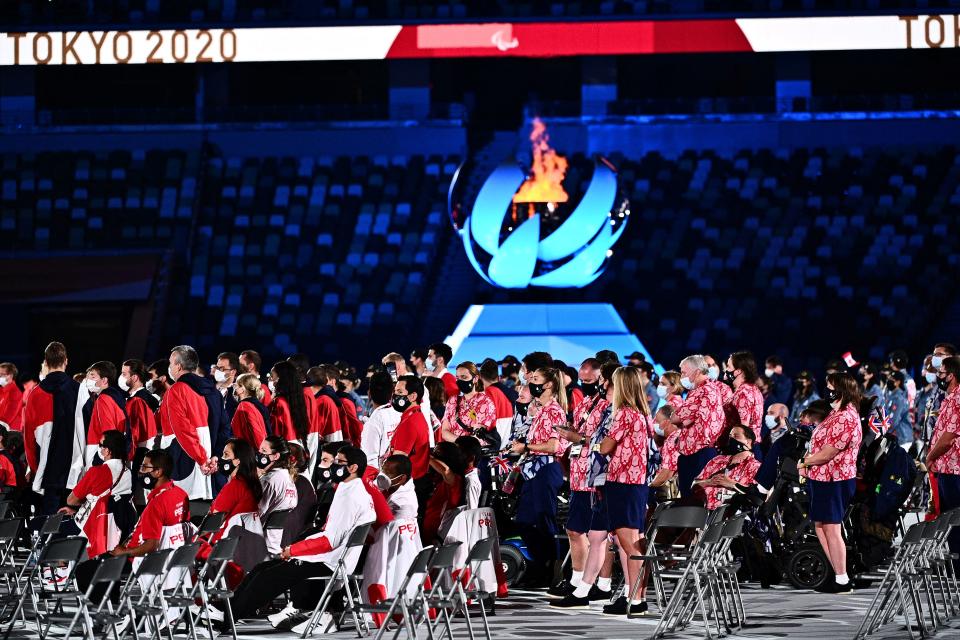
x=101 y=483
x=11 y=406
x=234 y=499
x=841 y=430
x=675 y=401
x=544 y=426
x=378 y=433
x=106 y=416
x=504 y=411
x=42 y=428
x=704 y=407
x=281 y=421
x=413 y=437
x=587 y=416
x=351 y=506
x=725 y=391
x=669 y=452
x=948 y=421
x=628 y=462
x=8 y=473
x=748 y=401
x=744 y=473
x=279 y=492
x=248 y=424
x=328 y=424
x=477 y=412
x=143 y=424
x=185 y=420
x=167 y=506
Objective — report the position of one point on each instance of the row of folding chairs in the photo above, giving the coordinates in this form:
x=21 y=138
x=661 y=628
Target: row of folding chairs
x=433 y=592
x=918 y=589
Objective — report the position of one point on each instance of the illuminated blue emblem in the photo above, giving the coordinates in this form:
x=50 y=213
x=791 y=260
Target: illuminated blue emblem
x=515 y=245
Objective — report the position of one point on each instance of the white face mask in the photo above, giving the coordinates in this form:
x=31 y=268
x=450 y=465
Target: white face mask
x=271 y=386
x=430 y=364
x=42 y=377
x=219 y=376
x=4 y=381
x=661 y=391
x=658 y=430
x=687 y=383
x=937 y=362
x=91 y=385
x=771 y=421
x=929 y=377
x=170 y=373
x=122 y=383
x=769 y=372
x=713 y=372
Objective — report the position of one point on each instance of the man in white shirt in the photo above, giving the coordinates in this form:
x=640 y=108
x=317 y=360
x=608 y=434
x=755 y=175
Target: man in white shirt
x=378 y=429
x=400 y=495
x=316 y=555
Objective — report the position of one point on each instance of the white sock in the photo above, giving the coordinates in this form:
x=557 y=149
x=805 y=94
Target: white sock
x=582 y=590
x=842 y=578
x=576 y=578
x=635 y=601
x=604 y=584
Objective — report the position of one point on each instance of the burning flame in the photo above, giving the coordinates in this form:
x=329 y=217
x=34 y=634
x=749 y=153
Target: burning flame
x=545 y=184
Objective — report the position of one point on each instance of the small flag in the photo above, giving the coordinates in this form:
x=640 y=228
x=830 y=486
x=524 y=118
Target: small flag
x=848 y=358
x=879 y=422
x=502 y=463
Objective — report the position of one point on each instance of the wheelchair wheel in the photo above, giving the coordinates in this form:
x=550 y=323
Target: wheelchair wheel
x=513 y=563
x=808 y=567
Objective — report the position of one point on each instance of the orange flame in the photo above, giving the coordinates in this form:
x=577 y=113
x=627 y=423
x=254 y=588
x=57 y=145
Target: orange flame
x=545 y=184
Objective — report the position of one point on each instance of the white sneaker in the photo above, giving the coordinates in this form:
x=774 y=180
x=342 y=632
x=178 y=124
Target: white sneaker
x=288 y=612
x=215 y=614
x=325 y=625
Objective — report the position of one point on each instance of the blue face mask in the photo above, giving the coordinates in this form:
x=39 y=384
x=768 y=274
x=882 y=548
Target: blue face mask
x=713 y=372
x=687 y=383
x=937 y=362
x=929 y=377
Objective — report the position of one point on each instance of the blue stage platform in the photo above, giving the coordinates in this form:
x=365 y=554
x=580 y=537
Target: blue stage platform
x=570 y=332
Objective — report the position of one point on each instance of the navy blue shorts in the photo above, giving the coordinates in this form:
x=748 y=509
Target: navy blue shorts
x=626 y=505
x=600 y=521
x=829 y=500
x=581 y=511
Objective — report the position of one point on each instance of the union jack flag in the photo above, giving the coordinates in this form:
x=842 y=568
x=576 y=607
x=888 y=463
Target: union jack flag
x=502 y=463
x=879 y=422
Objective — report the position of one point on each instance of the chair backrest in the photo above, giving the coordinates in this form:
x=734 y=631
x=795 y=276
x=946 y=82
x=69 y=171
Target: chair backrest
x=930 y=530
x=52 y=524
x=110 y=570
x=481 y=550
x=358 y=537
x=716 y=515
x=277 y=519
x=913 y=534
x=223 y=550
x=70 y=549
x=420 y=562
x=211 y=523
x=4 y=508
x=712 y=534
x=444 y=556
x=199 y=508
x=10 y=529
x=185 y=556
x=682 y=518
x=154 y=563
x=733 y=527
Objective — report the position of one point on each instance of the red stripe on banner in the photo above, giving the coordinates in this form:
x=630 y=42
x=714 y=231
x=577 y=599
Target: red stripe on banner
x=544 y=39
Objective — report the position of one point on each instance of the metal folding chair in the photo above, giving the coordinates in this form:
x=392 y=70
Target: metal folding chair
x=446 y=592
x=412 y=607
x=666 y=562
x=147 y=609
x=211 y=523
x=341 y=574
x=110 y=572
x=481 y=552
x=70 y=551
x=210 y=585
x=9 y=534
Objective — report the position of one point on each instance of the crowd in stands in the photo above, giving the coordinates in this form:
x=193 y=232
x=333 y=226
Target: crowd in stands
x=429 y=437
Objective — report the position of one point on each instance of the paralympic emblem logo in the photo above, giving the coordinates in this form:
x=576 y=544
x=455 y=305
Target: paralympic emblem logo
x=524 y=230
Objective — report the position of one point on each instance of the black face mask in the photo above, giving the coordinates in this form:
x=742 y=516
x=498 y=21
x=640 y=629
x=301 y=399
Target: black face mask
x=522 y=407
x=465 y=386
x=324 y=476
x=590 y=388
x=832 y=395
x=942 y=383
x=536 y=390
x=400 y=403
x=227 y=466
x=146 y=481
x=263 y=460
x=733 y=447
x=728 y=376
x=338 y=473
